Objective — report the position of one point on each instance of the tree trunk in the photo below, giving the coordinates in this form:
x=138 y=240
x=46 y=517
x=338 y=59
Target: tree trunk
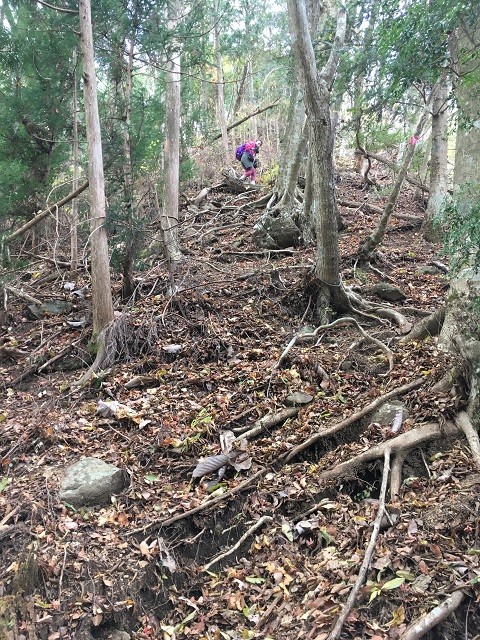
x=438 y=163
x=76 y=153
x=376 y=237
x=317 y=86
x=169 y=215
x=220 y=89
x=102 y=304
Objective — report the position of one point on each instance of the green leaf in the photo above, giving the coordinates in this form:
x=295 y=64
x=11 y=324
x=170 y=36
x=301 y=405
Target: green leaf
x=254 y=579
x=3 y=483
x=405 y=574
x=374 y=594
x=393 y=584
x=151 y=477
x=287 y=532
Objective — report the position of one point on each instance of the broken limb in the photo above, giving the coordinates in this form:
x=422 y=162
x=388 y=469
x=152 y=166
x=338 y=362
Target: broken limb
x=250 y=115
x=337 y=629
x=430 y=620
x=463 y=421
x=259 y=523
x=408 y=440
x=336 y=323
x=43 y=214
x=356 y=416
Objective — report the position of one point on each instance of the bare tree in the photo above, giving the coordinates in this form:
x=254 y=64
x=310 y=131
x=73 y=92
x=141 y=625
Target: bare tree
x=102 y=304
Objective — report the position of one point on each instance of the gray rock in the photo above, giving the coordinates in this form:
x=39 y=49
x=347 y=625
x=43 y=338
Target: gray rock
x=276 y=229
x=120 y=635
x=51 y=308
x=90 y=481
x=429 y=270
x=387 y=412
x=298 y=397
x=386 y=291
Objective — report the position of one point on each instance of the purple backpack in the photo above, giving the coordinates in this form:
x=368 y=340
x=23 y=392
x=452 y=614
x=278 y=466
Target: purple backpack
x=240 y=151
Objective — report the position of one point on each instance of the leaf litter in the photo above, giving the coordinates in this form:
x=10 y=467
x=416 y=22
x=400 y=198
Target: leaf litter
x=207 y=368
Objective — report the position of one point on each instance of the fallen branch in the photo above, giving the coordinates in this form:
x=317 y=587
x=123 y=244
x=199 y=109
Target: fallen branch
x=337 y=629
x=355 y=416
x=43 y=214
x=463 y=422
x=430 y=620
x=202 y=507
x=22 y=295
x=404 y=441
x=250 y=115
x=396 y=474
x=267 y=422
x=239 y=542
x=374 y=209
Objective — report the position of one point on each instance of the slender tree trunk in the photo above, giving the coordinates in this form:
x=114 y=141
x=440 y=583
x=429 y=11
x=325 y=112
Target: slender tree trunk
x=438 y=163
x=169 y=219
x=293 y=145
x=102 y=304
x=74 y=217
x=376 y=237
x=317 y=86
x=220 y=87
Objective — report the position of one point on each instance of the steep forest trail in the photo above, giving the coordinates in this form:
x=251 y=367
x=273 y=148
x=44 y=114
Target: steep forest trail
x=270 y=551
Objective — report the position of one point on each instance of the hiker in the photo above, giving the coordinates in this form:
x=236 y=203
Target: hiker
x=246 y=154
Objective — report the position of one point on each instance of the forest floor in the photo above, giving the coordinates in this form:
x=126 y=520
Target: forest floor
x=207 y=363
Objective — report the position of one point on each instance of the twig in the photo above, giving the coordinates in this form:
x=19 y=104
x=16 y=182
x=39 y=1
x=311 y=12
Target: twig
x=356 y=416
x=239 y=542
x=61 y=572
x=419 y=628
x=9 y=515
x=337 y=629
x=205 y=505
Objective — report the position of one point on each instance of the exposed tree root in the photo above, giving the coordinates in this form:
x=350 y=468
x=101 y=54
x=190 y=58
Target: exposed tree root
x=336 y=323
x=408 y=440
x=259 y=523
x=463 y=421
x=337 y=629
x=430 y=620
x=355 y=416
x=429 y=326
x=396 y=474
x=380 y=310
x=121 y=340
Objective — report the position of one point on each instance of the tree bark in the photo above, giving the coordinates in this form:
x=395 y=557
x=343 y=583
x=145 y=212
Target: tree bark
x=169 y=215
x=438 y=163
x=102 y=304
x=76 y=154
x=317 y=86
x=220 y=90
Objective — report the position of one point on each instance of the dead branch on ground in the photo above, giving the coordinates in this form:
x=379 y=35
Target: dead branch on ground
x=239 y=542
x=337 y=629
x=157 y=524
x=267 y=422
